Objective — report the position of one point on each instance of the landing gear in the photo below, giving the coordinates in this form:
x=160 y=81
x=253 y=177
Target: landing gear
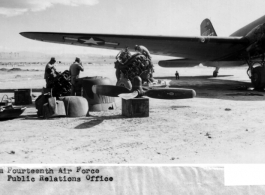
x=256 y=73
x=258 y=77
x=215 y=72
x=255 y=57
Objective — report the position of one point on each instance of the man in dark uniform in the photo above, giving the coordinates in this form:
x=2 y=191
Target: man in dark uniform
x=177 y=75
x=49 y=71
x=74 y=70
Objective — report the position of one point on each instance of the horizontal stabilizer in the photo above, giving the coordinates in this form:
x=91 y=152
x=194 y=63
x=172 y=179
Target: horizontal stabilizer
x=178 y=63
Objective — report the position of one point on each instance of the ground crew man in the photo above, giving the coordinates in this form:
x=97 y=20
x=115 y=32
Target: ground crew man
x=74 y=70
x=177 y=75
x=49 y=71
x=143 y=50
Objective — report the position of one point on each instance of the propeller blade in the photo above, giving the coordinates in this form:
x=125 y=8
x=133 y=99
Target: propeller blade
x=109 y=90
x=170 y=93
x=128 y=96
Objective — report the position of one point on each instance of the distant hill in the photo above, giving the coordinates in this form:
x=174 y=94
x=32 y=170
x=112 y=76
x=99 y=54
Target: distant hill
x=25 y=56
x=42 y=57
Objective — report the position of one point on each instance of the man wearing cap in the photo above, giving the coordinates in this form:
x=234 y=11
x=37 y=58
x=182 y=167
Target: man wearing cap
x=74 y=70
x=49 y=71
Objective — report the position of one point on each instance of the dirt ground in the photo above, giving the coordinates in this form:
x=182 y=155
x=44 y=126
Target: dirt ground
x=223 y=124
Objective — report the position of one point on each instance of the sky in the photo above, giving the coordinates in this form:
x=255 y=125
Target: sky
x=137 y=17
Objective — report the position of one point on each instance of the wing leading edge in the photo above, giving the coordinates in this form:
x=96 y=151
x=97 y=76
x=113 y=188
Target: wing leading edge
x=200 y=48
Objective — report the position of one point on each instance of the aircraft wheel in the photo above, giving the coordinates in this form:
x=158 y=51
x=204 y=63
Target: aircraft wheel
x=215 y=73
x=257 y=78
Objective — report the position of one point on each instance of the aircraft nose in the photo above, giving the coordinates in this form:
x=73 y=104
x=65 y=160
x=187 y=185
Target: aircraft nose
x=26 y=34
x=23 y=34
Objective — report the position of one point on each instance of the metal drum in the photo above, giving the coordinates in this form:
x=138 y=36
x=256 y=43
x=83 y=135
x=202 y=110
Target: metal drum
x=96 y=102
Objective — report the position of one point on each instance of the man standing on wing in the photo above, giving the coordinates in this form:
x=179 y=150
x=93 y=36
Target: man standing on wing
x=74 y=70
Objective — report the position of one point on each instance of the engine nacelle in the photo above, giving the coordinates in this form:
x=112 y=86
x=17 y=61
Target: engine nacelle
x=256 y=38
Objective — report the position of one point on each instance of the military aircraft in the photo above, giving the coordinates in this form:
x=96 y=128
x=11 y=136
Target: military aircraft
x=245 y=46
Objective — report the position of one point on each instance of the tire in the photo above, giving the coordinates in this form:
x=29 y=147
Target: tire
x=256 y=78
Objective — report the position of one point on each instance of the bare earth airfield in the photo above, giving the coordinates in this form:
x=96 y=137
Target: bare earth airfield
x=223 y=124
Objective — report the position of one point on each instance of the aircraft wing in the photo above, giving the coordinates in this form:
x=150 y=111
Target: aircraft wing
x=200 y=48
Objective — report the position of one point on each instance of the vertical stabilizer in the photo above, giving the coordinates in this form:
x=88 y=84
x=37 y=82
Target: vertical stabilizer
x=207 y=28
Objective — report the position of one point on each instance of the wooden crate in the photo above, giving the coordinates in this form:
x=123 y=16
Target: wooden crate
x=136 y=107
x=23 y=96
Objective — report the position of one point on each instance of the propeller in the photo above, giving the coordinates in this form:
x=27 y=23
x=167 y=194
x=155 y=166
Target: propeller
x=128 y=96
x=162 y=93
x=138 y=91
x=109 y=90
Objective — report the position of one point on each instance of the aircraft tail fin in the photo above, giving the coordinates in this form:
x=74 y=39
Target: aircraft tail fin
x=207 y=28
